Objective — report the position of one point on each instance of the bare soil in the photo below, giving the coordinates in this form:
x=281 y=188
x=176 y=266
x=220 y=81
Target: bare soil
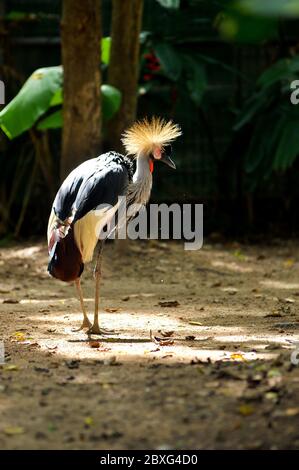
x=222 y=379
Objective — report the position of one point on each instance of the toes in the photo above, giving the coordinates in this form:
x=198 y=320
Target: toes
x=99 y=331
x=84 y=326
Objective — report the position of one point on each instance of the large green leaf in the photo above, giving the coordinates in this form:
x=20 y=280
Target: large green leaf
x=31 y=102
x=274 y=144
x=111 y=100
x=41 y=91
x=272 y=84
x=57 y=98
x=53 y=121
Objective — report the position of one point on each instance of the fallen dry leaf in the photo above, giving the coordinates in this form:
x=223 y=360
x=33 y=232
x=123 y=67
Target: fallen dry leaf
x=289 y=263
x=289 y=300
x=246 y=410
x=271 y=396
x=11 y=367
x=238 y=357
x=161 y=341
x=13 y=430
x=292 y=412
x=88 y=421
x=230 y=290
x=169 y=303
x=94 y=344
x=206 y=338
x=19 y=336
x=273 y=346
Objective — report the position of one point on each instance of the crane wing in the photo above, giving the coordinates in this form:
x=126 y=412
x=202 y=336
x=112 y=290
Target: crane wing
x=97 y=181
x=102 y=188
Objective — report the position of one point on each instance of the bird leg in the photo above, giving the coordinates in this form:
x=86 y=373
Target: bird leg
x=95 y=328
x=86 y=323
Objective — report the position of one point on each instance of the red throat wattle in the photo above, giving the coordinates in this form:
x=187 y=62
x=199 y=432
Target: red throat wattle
x=151 y=165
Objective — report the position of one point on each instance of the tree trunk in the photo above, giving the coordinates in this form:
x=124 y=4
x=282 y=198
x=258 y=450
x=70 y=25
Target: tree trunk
x=81 y=35
x=124 y=64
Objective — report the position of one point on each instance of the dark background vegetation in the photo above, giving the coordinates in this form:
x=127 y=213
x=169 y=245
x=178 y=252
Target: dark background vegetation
x=203 y=64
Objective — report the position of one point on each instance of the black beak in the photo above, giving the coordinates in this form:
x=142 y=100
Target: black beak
x=166 y=159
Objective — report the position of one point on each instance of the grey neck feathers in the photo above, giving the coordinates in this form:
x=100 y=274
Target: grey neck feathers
x=140 y=189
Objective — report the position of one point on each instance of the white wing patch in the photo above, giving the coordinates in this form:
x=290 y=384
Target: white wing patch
x=88 y=229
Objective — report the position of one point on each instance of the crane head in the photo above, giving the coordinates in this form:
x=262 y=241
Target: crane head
x=164 y=154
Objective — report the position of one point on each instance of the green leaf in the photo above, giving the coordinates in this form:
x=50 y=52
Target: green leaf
x=276 y=8
x=41 y=91
x=57 y=98
x=254 y=105
x=111 y=101
x=248 y=29
x=266 y=134
x=31 y=102
x=288 y=146
x=106 y=46
x=20 y=16
x=272 y=83
x=54 y=121
x=282 y=70
x=170 y=60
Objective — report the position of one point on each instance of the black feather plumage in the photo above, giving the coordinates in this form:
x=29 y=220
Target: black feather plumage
x=97 y=181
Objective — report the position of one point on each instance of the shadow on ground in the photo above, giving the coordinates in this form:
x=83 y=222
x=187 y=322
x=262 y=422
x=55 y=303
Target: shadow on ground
x=224 y=378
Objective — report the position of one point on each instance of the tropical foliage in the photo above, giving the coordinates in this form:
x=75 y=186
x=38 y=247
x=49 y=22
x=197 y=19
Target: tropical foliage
x=274 y=120
x=185 y=66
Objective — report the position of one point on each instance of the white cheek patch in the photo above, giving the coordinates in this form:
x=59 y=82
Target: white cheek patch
x=157 y=153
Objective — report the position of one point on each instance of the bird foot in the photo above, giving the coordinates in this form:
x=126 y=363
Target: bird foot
x=96 y=330
x=86 y=324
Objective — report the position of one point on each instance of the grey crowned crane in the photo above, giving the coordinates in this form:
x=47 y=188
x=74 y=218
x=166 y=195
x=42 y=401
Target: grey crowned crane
x=87 y=201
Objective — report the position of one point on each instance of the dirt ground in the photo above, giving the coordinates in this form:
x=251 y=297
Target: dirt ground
x=223 y=379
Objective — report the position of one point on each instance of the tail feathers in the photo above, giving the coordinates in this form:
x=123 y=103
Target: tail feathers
x=145 y=135
x=65 y=260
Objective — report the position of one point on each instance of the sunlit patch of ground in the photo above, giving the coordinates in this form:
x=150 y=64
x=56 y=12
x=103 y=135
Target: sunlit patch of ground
x=224 y=377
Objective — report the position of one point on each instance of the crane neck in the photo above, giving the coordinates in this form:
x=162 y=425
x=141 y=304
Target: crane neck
x=142 y=172
x=140 y=189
